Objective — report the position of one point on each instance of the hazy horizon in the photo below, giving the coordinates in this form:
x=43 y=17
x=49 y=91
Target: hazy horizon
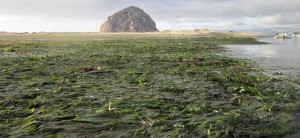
x=86 y=16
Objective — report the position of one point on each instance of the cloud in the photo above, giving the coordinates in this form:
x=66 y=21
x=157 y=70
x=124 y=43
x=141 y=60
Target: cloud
x=177 y=13
x=284 y=19
x=187 y=19
x=268 y=19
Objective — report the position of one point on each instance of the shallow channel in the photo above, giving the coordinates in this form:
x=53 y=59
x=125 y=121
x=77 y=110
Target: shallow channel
x=280 y=56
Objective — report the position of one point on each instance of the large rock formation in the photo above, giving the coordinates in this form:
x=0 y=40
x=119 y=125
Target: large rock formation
x=131 y=19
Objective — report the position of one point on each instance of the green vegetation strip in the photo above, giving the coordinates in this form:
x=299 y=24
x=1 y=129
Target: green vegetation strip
x=146 y=87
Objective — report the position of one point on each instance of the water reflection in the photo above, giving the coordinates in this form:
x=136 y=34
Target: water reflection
x=290 y=41
x=279 y=55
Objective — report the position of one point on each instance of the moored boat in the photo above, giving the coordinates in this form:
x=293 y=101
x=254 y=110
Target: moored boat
x=284 y=35
x=280 y=35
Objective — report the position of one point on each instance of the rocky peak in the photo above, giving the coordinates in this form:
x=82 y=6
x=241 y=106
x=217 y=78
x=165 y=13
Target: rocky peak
x=130 y=19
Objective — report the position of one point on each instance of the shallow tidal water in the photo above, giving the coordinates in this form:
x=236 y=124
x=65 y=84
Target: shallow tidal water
x=279 y=56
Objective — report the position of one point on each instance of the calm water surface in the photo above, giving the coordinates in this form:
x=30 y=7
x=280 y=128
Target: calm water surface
x=281 y=55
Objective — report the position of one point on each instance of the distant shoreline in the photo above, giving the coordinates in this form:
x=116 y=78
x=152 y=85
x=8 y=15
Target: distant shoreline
x=201 y=33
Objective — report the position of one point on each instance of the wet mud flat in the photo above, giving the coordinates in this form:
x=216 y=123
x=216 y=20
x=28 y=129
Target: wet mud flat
x=144 y=87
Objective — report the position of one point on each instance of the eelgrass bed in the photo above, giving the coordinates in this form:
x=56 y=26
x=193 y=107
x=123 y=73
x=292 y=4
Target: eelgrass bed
x=55 y=86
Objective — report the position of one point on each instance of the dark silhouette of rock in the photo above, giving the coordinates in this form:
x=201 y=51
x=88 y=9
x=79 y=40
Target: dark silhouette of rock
x=131 y=19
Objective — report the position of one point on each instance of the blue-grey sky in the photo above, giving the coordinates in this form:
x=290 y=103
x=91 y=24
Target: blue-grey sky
x=88 y=15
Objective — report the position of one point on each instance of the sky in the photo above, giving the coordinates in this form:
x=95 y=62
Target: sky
x=88 y=15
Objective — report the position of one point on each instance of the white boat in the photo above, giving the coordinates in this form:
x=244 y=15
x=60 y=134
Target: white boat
x=284 y=35
x=280 y=35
